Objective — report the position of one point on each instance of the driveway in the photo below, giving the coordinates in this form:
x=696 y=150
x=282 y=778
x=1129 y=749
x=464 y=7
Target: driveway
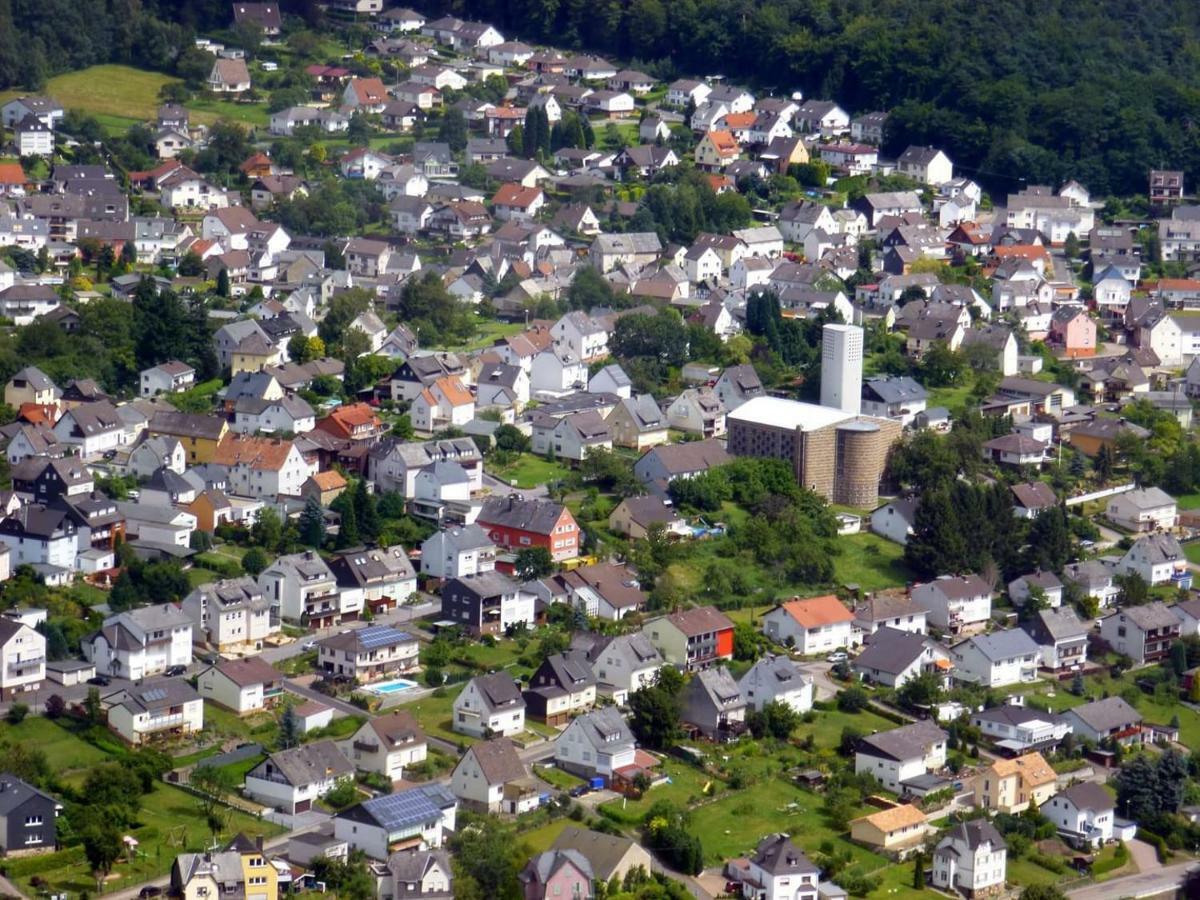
x=1144 y=855
x=496 y=486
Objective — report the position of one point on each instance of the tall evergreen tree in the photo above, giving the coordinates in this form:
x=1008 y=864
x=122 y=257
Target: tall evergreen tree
x=529 y=136
x=348 y=528
x=543 y=132
x=366 y=512
x=312 y=523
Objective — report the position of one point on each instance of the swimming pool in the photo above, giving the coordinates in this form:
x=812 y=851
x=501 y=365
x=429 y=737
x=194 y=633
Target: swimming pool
x=394 y=686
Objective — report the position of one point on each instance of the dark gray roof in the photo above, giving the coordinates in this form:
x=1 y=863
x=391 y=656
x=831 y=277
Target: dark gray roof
x=1104 y=715
x=1061 y=624
x=777 y=855
x=499 y=689
x=487 y=584
x=310 y=763
x=1001 y=645
x=498 y=760
x=972 y=834
x=1087 y=795
x=893 y=389
x=903 y=743
x=889 y=650
x=537 y=516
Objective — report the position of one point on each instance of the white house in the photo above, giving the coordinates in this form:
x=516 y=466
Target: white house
x=1084 y=814
x=491 y=778
x=230 y=615
x=894 y=520
x=1143 y=509
x=892 y=658
x=141 y=642
x=776 y=679
x=1143 y=633
x=1021 y=729
x=290 y=780
x=815 y=625
x=997 y=659
x=302 y=588
x=489 y=705
x=23 y=657
x=262 y=467
x=417 y=817
x=245 y=686
x=386 y=744
x=456 y=552
x=927 y=165
x=956 y=603
x=971 y=858
x=899 y=756
x=779 y=870
x=159 y=707
x=623 y=665
x=1158 y=559
x=167 y=378
x=597 y=743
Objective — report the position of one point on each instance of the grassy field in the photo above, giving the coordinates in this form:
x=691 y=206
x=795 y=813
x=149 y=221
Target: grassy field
x=530 y=471
x=489 y=330
x=871 y=562
x=436 y=715
x=557 y=778
x=1192 y=551
x=686 y=786
x=953 y=398
x=826 y=727
x=65 y=752
x=539 y=839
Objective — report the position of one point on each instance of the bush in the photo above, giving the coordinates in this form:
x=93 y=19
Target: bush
x=17 y=713
x=1053 y=864
x=434 y=677
x=852 y=700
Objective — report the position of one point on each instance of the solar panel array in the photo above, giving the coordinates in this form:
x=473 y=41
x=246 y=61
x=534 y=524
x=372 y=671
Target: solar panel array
x=411 y=807
x=154 y=694
x=374 y=636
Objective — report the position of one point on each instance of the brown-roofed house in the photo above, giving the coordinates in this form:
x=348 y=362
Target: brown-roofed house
x=386 y=744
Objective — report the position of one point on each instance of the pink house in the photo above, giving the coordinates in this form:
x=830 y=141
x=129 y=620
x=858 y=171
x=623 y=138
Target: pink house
x=558 y=875
x=1072 y=329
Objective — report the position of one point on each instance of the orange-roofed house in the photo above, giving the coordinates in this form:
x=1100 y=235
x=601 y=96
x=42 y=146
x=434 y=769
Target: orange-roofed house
x=1174 y=292
x=258 y=165
x=517 y=203
x=1012 y=785
x=355 y=422
x=325 y=486
x=260 y=467
x=444 y=404
x=365 y=94
x=896 y=831
x=720 y=183
x=813 y=625
x=739 y=125
x=716 y=150
x=12 y=179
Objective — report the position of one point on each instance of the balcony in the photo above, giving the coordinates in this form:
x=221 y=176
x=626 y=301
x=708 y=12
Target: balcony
x=161 y=723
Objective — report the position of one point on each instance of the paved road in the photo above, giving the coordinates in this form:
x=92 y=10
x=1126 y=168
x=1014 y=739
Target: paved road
x=1145 y=884
x=496 y=486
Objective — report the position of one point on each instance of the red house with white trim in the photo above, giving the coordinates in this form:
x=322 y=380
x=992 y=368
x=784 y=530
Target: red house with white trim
x=515 y=523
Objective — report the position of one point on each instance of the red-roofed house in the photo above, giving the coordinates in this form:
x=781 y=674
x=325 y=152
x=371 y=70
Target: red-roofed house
x=513 y=202
x=814 y=625
x=365 y=94
x=716 y=150
x=356 y=422
x=12 y=179
x=444 y=404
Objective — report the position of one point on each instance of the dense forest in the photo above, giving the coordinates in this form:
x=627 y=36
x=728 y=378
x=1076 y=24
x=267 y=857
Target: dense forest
x=1016 y=92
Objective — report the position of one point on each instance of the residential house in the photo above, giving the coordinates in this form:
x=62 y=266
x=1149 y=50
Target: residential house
x=814 y=625
x=637 y=423
x=1107 y=720
x=383 y=577
x=665 y=463
x=737 y=385
x=1062 y=637
x=1095 y=579
x=611 y=856
x=894 y=520
x=167 y=378
x=302 y=588
x=368 y=654
x=28 y=818
x=200 y=435
x=490 y=777
x=561 y=687
x=230 y=616
x=229 y=76
x=902 y=757
x=596 y=744
x=713 y=705
x=892 y=658
x=489 y=705
x=1158 y=559
x=1143 y=509
x=1015 y=785
x=487 y=603
x=896 y=831
x=1143 y=633
x=716 y=150
x=515 y=523
x=23 y=657
x=141 y=642
x=623 y=664
x=244 y=686
x=445 y=404
x=956 y=603
x=1084 y=814
x=697 y=411
x=776 y=679
x=153 y=709
x=897 y=397
x=386 y=744
x=31 y=385
x=557 y=873
x=290 y=780
x=971 y=858
x=262 y=467
x=894 y=609
x=634 y=517
x=1073 y=332
x=779 y=870
x=413 y=819
x=455 y=552
x=693 y=638
x=416 y=874
x=927 y=165
x=1018 y=729
x=1019 y=589
x=998 y=659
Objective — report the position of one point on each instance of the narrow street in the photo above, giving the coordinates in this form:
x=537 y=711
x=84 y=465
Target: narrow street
x=1144 y=884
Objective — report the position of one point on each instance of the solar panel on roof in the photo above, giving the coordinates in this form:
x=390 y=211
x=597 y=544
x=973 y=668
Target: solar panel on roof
x=408 y=808
x=154 y=694
x=379 y=636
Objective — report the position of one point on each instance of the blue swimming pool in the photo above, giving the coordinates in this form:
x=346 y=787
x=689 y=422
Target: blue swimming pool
x=395 y=686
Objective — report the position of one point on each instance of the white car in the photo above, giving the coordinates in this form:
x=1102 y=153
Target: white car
x=837 y=656
x=308 y=645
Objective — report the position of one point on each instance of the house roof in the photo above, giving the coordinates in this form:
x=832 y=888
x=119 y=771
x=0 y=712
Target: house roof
x=373 y=637
x=690 y=456
x=1031 y=767
x=1087 y=795
x=905 y=742
x=605 y=727
x=396 y=729
x=1061 y=624
x=1150 y=616
x=248 y=671
x=498 y=760
x=1034 y=495
x=499 y=690
x=537 y=516
x=1002 y=645
x=815 y=612
x=777 y=855
x=890 y=650
x=892 y=604
x=606 y=852
x=310 y=763
x=699 y=620
x=263 y=453
x=648 y=509
x=1104 y=715
x=888 y=820
x=972 y=835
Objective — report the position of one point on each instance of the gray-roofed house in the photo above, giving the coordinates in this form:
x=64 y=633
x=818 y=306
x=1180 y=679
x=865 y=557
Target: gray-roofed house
x=714 y=706
x=776 y=679
x=230 y=615
x=562 y=686
x=1158 y=559
x=290 y=780
x=558 y=873
x=893 y=657
x=901 y=756
x=489 y=705
x=487 y=603
x=28 y=817
x=635 y=516
x=971 y=858
x=895 y=520
x=611 y=855
x=491 y=778
x=417 y=817
x=1095 y=578
x=1020 y=588
x=368 y=654
x=893 y=397
x=957 y=603
x=997 y=659
x=598 y=743
x=141 y=642
x=154 y=708
x=1020 y=729
x=779 y=870
x=738 y=384
x=889 y=609
x=637 y=423
x=386 y=744
x=454 y=552
x=1032 y=498
x=1143 y=633
x=664 y=464
x=622 y=664
x=1062 y=636
x=1109 y=719
x=384 y=576
x=1084 y=814
x=419 y=875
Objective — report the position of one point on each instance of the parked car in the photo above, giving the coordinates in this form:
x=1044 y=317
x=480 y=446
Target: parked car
x=150 y=890
x=101 y=680
x=837 y=656
x=172 y=671
x=579 y=790
x=308 y=645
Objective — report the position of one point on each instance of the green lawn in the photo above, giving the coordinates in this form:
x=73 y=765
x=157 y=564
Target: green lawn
x=685 y=787
x=953 y=398
x=826 y=727
x=436 y=716
x=488 y=331
x=539 y=839
x=530 y=471
x=220 y=722
x=556 y=777
x=64 y=751
x=871 y=562
x=171 y=823
x=1192 y=551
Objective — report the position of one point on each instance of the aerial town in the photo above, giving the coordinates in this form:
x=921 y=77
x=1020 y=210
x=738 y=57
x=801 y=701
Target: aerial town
x=438 y=466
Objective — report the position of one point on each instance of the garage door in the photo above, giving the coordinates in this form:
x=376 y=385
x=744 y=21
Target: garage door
x=303 y=806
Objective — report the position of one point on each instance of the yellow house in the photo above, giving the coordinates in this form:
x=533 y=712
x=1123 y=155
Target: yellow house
x=1011 y=785
x=259 y=875
x=637 y=423
x=716 y=150
x=242 y=867
x=253 y=354
x=211 y=508
x=31 y=385
x=895 y=831
x=199 y=434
